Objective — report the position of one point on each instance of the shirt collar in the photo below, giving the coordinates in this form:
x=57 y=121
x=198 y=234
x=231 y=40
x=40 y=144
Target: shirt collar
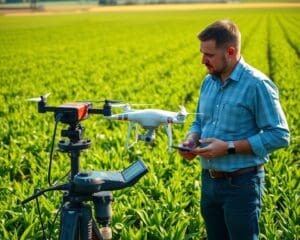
x=237 y=71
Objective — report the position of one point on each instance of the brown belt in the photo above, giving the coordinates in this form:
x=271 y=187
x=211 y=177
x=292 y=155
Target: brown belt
x=218 y=174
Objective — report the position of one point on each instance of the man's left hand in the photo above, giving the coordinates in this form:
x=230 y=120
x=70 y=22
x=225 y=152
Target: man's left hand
x=215 y=148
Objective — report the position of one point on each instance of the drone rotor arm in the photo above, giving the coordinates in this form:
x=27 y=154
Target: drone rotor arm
x=136 y=137
x=169 y=133
x=131 y=124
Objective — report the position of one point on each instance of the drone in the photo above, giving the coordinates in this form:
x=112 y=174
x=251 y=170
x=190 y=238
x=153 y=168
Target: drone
x=150 y=120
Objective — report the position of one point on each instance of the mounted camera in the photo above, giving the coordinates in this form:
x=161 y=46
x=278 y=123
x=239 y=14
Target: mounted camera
x=73 y=112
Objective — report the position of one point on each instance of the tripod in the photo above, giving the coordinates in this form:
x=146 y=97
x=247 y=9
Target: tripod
x=76 y=218
x=76 y=215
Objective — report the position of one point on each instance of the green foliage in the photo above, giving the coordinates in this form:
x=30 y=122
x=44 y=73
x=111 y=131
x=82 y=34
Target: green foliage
x=140 y=58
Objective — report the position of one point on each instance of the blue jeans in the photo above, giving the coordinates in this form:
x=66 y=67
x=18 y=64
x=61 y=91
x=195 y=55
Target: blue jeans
x=231 y=206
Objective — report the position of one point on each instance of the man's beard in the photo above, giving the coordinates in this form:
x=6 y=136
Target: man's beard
x=218 y=73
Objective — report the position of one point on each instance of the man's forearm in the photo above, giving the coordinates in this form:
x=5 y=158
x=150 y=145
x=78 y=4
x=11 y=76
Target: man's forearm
x=242 y=147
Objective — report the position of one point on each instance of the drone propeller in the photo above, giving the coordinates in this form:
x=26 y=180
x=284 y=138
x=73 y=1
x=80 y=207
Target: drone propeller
x=183 y=110
x=182 y=114
x=127 y=106
x=99 y=101
x=110 y=101
x=124 y=105
x=37 y=99
x=192 y=114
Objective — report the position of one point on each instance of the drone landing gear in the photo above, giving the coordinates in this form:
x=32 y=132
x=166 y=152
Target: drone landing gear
x=148 y=137
x=169 y=133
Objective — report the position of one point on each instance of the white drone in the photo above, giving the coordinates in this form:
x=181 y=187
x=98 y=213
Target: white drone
x=149 y=119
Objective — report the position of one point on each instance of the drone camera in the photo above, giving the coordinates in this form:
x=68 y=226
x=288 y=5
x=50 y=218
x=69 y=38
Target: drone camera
x=72 y=112
x=148 y=137
x=181 y=117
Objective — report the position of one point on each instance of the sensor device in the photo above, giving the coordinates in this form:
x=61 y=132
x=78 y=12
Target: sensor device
x=95 y=181
x=72 y=112
x=182 y=148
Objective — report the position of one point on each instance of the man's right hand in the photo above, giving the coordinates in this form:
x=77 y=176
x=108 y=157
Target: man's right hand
x=186 y=154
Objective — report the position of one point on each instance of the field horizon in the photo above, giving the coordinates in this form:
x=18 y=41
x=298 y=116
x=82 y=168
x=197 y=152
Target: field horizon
x=53 y=9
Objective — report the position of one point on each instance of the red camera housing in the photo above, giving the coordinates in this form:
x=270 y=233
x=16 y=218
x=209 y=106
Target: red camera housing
x=72 y=112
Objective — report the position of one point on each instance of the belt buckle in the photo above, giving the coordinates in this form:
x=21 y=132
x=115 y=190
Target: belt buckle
x=210 y=171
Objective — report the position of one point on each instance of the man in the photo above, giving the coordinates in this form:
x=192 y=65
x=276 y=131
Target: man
x=240 y=121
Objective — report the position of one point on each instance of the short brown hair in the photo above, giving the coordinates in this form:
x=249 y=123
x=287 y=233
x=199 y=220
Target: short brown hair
x=224 y=32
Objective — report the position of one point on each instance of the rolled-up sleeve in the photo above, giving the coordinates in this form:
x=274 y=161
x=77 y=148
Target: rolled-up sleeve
x=270 y=119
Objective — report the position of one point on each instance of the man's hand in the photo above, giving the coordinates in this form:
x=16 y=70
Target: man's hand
x=215 y=148
x=189 y=155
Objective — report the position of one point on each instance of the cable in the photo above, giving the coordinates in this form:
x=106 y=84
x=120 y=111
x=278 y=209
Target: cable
x=57 y=119
x=40 y=216
x=35 y=196
x=58 y=180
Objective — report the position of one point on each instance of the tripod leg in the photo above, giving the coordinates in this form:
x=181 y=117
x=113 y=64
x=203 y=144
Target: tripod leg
x=76 y=222
x=69 y=223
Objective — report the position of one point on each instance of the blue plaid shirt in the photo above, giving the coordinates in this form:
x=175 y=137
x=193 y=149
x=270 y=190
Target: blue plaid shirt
x=245 y=106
